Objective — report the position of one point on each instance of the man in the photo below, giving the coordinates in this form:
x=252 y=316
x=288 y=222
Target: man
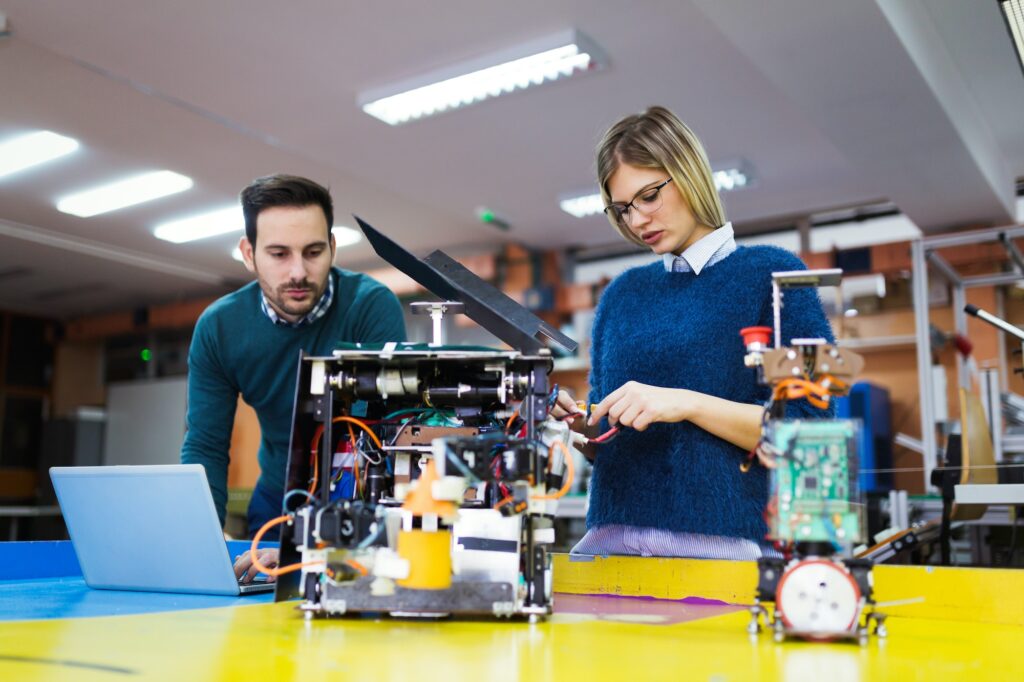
x=248 y=342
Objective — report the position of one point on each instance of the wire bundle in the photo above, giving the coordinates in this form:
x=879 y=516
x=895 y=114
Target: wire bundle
x=315 y=446
x=817 y=393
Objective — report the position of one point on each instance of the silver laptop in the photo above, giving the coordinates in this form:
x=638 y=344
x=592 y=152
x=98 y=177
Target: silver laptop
x=147 y=528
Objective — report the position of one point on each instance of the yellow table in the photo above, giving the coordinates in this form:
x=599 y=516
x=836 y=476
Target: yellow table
x=969 y=626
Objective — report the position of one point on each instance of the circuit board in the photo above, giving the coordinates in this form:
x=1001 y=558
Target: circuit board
x=814 y=496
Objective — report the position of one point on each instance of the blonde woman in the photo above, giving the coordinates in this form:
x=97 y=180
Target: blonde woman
x=667 y=358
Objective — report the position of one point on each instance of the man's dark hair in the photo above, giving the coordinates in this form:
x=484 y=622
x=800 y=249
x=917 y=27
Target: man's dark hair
x=283 y=190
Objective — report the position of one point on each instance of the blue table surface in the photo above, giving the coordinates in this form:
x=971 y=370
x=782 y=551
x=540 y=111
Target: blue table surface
x=41 y=580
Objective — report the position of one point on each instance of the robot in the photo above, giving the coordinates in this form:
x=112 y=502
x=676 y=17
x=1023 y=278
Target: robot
x=819 y=592
x=423 y=478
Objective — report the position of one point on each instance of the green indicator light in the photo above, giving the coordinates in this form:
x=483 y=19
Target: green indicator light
x=146 y=355
x=488 y=217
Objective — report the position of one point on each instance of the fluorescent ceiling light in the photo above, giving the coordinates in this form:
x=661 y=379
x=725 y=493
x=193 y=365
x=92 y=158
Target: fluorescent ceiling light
x=558 y=56
x=134 y=190
x=343 y=236
x=1013 y=13
x=202 y=226
x=726 y=179
x=729 y=179
x=33 y=149
x=582 y=206
x=732 y=175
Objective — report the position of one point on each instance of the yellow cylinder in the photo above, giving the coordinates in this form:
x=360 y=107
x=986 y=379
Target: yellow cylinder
x=430 y=558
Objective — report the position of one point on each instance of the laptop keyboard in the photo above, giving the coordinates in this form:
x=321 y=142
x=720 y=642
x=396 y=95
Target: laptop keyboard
x=258 y=579
x=259 y=584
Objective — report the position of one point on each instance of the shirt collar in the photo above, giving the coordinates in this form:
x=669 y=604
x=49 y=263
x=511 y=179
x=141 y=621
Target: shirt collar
x=706 y=251
x=318 y=311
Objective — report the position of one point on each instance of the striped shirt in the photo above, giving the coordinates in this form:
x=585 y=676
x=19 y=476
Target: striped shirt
x=707 y=251
x=615 y=539
x=318 y=311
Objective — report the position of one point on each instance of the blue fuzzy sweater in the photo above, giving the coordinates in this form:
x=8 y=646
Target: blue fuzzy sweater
x=681 y=330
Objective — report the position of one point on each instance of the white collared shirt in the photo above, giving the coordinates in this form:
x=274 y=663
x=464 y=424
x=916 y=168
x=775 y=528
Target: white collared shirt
x=708 y=250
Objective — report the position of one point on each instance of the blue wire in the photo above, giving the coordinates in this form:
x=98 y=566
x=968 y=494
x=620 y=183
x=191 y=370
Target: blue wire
x=370 y=539
x=833 y=536
x=284 y=502
x=553 y=398
x=408 y=409
x=463 y=469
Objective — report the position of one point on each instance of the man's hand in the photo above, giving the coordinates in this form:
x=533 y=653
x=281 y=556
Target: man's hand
x=245 y=570
x=638 y=406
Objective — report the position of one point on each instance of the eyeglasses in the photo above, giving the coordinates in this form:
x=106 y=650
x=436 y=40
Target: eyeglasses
x=646 y=201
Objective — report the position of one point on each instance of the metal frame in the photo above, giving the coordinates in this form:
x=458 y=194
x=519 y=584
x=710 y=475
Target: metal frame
x=795 y=279
x=923 y=254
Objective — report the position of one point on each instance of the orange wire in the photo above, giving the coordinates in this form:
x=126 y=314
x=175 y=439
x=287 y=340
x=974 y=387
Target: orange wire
x=355 y=458
x=312 y=457
x=504 y=502
x=508 y=424
x=792 y=389
x=570 y=472
x=362 y=570
x=315 y=445
x=364 y=427
x=835 y=385
x=351 y=563
x=281 y=570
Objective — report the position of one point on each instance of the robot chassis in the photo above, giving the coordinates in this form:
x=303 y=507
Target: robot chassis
x=452 y=487
x=819 y=591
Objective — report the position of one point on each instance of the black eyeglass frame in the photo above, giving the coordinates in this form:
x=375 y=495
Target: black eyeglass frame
x=618 y=211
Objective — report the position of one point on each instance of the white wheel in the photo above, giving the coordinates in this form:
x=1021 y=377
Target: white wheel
x=819 y=598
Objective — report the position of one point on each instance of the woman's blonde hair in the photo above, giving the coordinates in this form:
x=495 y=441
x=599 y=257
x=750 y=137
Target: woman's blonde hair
x=656 y=138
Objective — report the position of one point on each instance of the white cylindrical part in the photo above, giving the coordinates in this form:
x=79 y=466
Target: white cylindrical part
x=436 y=316
x=941 y=410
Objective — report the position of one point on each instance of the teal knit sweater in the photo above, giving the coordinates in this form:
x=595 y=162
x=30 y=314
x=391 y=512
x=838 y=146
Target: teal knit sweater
x=236 y=349
x=681 y=330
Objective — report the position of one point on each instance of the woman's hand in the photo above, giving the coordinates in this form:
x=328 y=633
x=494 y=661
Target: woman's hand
x=638 y=406
x=565 y=408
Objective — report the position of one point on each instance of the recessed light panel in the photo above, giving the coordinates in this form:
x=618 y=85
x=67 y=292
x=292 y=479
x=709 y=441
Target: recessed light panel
x=527 y=65
x=134 y=190
x=26 y=151
x=202 y=226
x=581 y=206
x=727 y=178
x=345 y=236
x=1013 y=13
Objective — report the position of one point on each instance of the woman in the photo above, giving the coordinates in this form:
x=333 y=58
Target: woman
x=667 y=358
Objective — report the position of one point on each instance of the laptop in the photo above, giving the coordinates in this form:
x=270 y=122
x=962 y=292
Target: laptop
x=149 y=528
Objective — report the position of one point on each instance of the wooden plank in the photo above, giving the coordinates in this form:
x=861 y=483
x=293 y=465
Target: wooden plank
x=100 y=327
x=178 y=315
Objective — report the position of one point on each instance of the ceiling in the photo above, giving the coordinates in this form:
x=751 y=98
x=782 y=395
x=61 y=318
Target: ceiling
x=833 y=103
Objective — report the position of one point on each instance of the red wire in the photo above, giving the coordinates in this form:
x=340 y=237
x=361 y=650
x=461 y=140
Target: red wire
x=606 y=436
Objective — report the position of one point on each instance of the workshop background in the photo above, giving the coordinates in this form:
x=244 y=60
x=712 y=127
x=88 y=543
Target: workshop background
x=846 y=132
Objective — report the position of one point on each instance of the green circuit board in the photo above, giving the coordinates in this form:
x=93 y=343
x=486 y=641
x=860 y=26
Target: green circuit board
x=814 y=496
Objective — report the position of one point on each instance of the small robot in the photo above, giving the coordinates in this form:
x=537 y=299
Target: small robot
x=814 y=514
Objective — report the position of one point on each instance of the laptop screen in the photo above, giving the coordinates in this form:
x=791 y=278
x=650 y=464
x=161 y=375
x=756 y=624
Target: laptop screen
x=150 y=528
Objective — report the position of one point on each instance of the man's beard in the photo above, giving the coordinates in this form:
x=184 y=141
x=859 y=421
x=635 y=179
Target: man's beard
x=281 y=301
